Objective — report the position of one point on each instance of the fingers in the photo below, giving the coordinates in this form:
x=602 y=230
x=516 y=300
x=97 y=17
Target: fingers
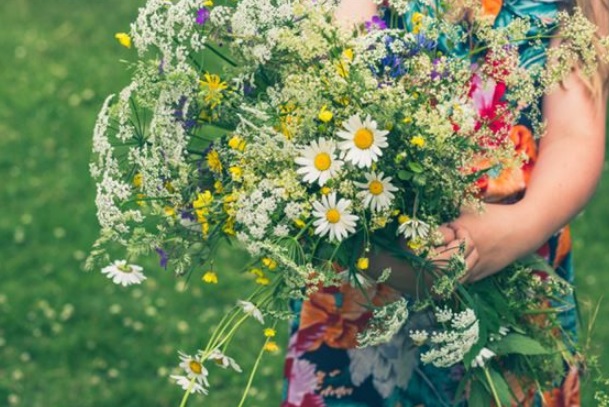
x=461 y=238
x=448 y=235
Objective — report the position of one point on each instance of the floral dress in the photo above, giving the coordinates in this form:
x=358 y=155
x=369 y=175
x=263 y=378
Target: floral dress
x=323 y=367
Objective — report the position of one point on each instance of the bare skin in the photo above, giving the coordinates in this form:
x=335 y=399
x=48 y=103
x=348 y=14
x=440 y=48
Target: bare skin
x=569 y=165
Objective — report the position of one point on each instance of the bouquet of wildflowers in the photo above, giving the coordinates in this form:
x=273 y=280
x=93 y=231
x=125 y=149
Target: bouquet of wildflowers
x=315 y=145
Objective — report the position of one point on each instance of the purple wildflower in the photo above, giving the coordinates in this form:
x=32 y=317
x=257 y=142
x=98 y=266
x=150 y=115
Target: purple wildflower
x=163 y=257
x=376 y=23
x=202 y=16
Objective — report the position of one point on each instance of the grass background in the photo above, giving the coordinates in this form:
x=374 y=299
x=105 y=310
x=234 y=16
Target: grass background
x=73 y=339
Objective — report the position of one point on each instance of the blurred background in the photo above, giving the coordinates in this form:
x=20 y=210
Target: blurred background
x=70 y=338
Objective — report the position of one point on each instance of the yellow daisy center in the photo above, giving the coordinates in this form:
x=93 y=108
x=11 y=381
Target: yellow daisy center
x=322 y=161
x=333 y=215
x=376 y=187
x=195 y=367
x=363 y=139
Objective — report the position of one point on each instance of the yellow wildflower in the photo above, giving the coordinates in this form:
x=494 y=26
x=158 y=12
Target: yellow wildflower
x=213 y=161
x=236 y=173
x=138 y=180
x=417 y=141
x=271 y=346
x=124 y=39
x=348 y=54
x=407 y=120
x=169 y=211
x=229 y=226
x=208 y=3
x=270 y=332
x=342 y=69
x=403 y=219
x=414 y=244
x=202 y=214
x=140 y=200
x=269 y=263
x=300 y=223
x=363 y=263
x=213 y=86
x=210 y=278
x=325 y=190
x=204 y=227
x=257 y=272
x=203 y=199
x=417 y=18
x=325 y=115
x=263 y=280
x=218 y=188
x=236 y=143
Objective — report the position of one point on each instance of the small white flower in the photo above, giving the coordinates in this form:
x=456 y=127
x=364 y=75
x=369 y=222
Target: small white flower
x=124 y=274
x=484 y=355
x=503 y=330
x=318 y=162
x=251 y=310
x=223 y=361
x=414 y=229
x=419 y=337
x=193 y=366
x=377 y=192
x=190 y=385
x=443 y=315
x=333 y=217
x=363 y=141
x=464 y=319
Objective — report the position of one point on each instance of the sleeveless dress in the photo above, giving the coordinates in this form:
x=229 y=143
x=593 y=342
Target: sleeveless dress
x=323 y=367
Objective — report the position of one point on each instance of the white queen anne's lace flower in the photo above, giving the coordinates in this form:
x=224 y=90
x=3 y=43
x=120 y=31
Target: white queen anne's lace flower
x=124 y=274
x=318 y=162
x=333 y=217
x=377 y=191
x=363 y=141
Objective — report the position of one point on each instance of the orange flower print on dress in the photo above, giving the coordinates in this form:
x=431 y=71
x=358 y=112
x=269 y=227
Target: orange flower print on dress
x=511 y=181
x=492 y=7
x=335 y=315
x=567 y=395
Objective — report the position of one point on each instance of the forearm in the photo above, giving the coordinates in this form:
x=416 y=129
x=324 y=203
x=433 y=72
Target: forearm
x=571 y=158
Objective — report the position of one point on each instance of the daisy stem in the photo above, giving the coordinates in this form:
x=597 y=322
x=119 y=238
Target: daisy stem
x=253 y=373
x=493 y=390
x=187 y=393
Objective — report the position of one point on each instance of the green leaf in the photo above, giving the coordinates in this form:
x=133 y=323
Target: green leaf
x=518 y=344
x=479 y=395
x=502 y=388
x=415 y=167
x=405 y=175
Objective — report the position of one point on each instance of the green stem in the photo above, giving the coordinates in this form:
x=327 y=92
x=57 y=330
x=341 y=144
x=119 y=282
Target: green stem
x=251 y=378
x=493 y=390
x=221 y=56
x=187 y=393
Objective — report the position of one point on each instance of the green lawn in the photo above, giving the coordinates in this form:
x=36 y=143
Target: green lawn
x=73 y=339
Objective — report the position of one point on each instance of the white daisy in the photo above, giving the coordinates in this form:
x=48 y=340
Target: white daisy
x=318 y=162
x=223 y=361
x=377 y=192
x=190 y=385
x=333 y=217
x=193 y=366
x=251 y=310
x=124 y=274
x=363 y=141
x=484 y=355
x=414 y=229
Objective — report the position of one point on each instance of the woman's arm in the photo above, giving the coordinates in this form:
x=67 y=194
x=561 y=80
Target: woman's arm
x=569 y=165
